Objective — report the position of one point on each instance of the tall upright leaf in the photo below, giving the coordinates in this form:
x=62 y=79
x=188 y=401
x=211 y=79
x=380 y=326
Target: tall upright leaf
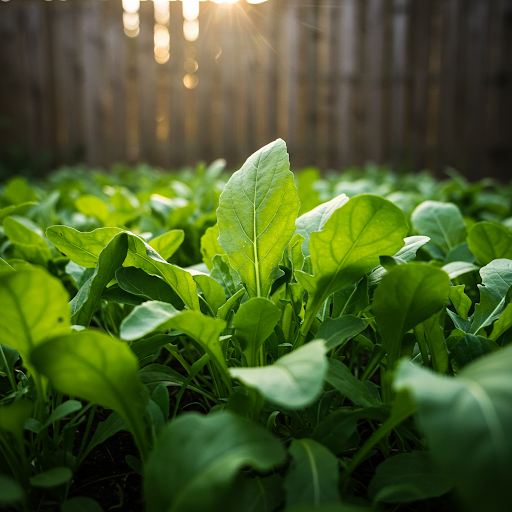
x=350 y=244
x=256 y=216
x=468 y=425
x=490 y=241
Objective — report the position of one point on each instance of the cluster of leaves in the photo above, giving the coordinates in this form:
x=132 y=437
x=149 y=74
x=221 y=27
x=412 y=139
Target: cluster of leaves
x=320 y=335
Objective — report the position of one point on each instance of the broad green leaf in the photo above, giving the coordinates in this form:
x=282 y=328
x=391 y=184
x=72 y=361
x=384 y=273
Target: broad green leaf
x=254 y=322
x=137 y=282
x=293 y=381
x=86 y=301
x=460 y=252
x=98 y=368
x=351 y=300
x=340 y=330
x=350 y=244
x=313 y=477
x=315 y=219
x=94 y=206
x=82 y=247
x=489 y=241
x=34 y=307
x=467 y=421
x=210 y=245
x=458 y=268
x=308 y=195
x=168 y=243
x=340 y=378
x=406 y=253
x=496 y=281
x=469 y=348
x=407 y=477
x=406 y=296
x=154 y=315
x=18 y=191
x=442 y=222
x=10 y=490
x=145 y=348
x=461 y=302
x=63 y=410
x=143 y=256
x=105 y=429
x=503 y=323
x=212 y=291
x=256 y=216
x=196 y=458
x=52 y=477
x=5 y=267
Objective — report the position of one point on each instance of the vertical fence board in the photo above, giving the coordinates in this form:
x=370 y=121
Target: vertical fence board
x=415 y=83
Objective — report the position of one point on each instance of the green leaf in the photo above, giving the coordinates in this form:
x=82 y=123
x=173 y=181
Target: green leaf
x=210 y=245
x=10 y=490
x=28 y=315
x=340 y=377
x=469 y=348
x=406 y=296
x=442 y=222
x=28 y=244
x=350 y=244
x=52 y=477
x=168 y=243
x=340 y=330
x=489 y=241
x=461 y=302
x=431 y=330
x=293 y=381
x=13 y=418
x=254 y=322
x=15 y=210
x=496 y=281
x=98 y=368
x=105 y=429
x=458 y=268
x=224 y=274
x=147 y=318
x=407 y=477
x=467 y=421
x=315 y=219
x=94 y=206
x=196 y=458
x=82 y=248
x=63 y=410
x=87 y=300
x=230 y=304
x=256 y=216
x=313 y=477
x=143 y=256
x=137 y=282
x=406 y=253
x=212 y=291
x=504 y=323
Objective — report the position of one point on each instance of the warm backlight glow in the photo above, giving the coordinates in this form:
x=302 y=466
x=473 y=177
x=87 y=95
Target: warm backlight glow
x=190 y=81
x=191 y=30
x=190 y=9
x=162 y=11
x=131 y=5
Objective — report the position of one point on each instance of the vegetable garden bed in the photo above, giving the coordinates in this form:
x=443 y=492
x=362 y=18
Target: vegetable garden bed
x=188 y=342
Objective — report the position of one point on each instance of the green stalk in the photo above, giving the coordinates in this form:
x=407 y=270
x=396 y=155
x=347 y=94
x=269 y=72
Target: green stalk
x=8 y=371
x=86 y=436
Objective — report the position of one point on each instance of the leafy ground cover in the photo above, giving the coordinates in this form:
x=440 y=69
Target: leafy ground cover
x=186 y=342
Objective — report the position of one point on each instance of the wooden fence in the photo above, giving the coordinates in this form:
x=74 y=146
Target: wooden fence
x=413 y=83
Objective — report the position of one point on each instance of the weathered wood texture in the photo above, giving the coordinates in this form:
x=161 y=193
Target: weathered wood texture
x=410 y=83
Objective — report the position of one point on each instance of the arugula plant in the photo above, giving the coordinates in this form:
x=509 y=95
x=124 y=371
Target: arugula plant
x=290 y=335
